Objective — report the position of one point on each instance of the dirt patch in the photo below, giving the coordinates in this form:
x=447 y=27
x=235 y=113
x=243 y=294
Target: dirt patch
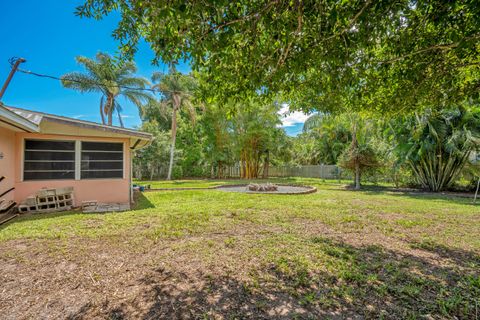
x=219 y=276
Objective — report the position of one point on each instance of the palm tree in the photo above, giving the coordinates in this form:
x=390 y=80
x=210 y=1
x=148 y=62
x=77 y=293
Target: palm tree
x=359 y=156
x=437 y=144
x=313 y=122
x=176 y=91
x=112 y=79
x=331 y=134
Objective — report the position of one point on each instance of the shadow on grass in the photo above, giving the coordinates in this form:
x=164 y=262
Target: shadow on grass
x=462 y=198
x=367 y=282
x=141 y=202
x=460 y=257
x=40 y=216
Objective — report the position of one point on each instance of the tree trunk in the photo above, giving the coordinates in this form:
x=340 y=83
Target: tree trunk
x=102 y=114
x=152 y=171
x=476 y=191
x=266 y=165
x=172 y=147
x=357 y=175
x=109 y=108
x=220 y=173
x=120 y=118
x=357 y=160
x=110 y=119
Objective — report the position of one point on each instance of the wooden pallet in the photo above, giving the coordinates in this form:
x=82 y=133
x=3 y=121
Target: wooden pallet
x=7 y=217
x=6 y=205
x=8 y=214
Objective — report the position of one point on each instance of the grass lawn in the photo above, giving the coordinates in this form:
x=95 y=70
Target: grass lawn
x=210 y=254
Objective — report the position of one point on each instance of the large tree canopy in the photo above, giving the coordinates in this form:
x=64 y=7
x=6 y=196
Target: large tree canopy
x=390 y=55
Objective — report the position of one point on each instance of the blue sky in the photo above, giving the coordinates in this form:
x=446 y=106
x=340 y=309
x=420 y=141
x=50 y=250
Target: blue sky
x=49 y=35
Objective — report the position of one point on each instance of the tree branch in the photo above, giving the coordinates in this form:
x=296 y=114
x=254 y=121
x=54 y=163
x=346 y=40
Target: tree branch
x=350 y=23
x=441 y=47
x=244 y=18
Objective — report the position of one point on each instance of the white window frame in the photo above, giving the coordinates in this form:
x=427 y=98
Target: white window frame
x=78 y=158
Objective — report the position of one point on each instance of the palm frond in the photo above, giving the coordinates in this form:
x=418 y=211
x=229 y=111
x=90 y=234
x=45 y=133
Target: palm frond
x=312 y=122
x=93 y=68
x=138 y=98
x=125 y=68
x=81 y=82
x=158 y=76
x=165 y=108
x=134 y=82
x=191 y=110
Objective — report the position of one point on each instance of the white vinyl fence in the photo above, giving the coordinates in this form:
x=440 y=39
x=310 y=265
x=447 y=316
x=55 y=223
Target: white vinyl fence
x=311 y=171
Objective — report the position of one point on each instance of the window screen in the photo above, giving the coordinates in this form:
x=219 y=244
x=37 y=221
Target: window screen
x=49 y=160
x=101 y=160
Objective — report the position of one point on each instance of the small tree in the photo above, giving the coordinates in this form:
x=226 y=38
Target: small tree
x=359 y=157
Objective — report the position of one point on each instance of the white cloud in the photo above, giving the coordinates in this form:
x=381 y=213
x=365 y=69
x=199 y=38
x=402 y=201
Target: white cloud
x=291 y=118
x=79 y=116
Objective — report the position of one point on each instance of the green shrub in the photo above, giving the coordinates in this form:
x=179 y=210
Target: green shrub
x=177 y=172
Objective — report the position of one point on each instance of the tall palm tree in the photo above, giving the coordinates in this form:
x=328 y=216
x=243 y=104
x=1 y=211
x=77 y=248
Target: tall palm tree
x=112 y=79
x=176 y=91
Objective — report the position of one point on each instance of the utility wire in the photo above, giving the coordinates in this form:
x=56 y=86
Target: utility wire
x=79 y=81
x=13 y=59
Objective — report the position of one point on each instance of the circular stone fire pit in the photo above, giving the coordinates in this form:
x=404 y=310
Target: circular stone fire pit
x=268 y=189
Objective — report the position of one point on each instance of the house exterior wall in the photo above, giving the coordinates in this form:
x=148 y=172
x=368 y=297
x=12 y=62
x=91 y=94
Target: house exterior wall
x=102 y=190
x=7 y=162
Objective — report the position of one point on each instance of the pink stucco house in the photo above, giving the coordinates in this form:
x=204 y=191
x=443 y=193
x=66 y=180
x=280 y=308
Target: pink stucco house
x=39 y=150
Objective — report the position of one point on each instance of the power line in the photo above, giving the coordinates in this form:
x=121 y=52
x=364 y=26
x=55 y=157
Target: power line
x=79 y=81
x=40 y=75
